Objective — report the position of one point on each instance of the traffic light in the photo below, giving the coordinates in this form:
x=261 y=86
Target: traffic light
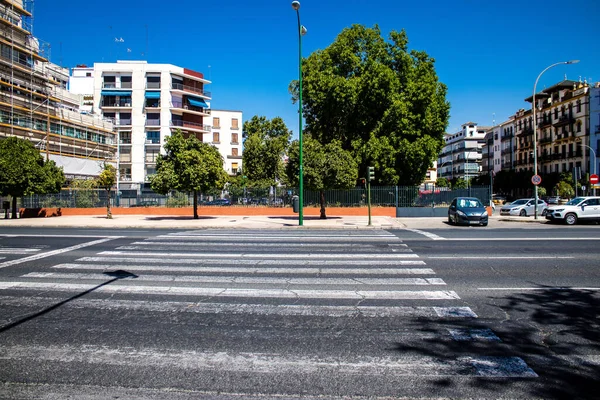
x=371 y=175
x=363 y=181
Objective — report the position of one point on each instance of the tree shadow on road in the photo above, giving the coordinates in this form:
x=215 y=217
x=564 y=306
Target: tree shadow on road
x=555 y=331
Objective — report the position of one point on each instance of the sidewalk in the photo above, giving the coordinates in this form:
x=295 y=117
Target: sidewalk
x=253 y=222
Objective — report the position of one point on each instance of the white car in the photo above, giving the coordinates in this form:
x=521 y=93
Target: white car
x=524 y=208
x=585 y=208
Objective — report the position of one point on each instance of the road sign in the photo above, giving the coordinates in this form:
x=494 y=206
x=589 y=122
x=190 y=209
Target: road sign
x=536 y=180
x=593 y=179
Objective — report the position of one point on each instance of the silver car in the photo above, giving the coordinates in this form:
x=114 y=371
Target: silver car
x=524 y=208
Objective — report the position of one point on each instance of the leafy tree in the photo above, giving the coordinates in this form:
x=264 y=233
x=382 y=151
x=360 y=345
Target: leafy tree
x=459 y=183
x=541 y=191
x=442 y=182
x=265 y=144
x=85 y=195
x=106 y=180
x=564 y=189
x=189 y=165
x=23 y=171
x=325 y=167
x=381 y=101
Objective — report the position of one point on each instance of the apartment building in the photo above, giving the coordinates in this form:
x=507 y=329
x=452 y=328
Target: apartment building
x=35 y=104
x=146 y=102
x=594 y=101
x=563 y=129
x=227 y=137
x=462 y=154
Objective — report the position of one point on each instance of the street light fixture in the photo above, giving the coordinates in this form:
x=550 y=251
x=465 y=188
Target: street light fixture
x=535 y=167
x=301 y=32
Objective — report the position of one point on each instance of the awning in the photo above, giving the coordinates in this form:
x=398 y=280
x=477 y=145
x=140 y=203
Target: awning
x=153 y=95
x=121 y=93
x=197 y=102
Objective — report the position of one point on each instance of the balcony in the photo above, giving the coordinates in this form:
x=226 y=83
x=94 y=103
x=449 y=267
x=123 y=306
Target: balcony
x=526 y=132
x=545 y=122
x=115 y=104
x=123 y=122
x=194 y=126
x=564 y=120
x=507 y=136
x=186 y=88
x=188 y=108
x=152 y=122
x=152 y=85
x=153 y=142
x=506 y=151
x=546 y=140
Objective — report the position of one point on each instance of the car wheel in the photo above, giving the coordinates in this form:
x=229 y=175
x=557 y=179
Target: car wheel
x=484 y=224
x=570 y=219
x=544 y=213
x=523 y=213
x=449 y=220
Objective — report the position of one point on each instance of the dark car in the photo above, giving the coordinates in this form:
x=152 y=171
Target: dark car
x=219 y=202
x=468 y=211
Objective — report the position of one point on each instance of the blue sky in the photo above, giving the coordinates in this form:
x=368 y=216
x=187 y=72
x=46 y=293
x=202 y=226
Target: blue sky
x=488 y=53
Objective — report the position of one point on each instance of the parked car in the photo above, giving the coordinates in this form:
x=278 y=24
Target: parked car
x=468 y=211
x=524 y=208
x=552 y=199
x=584 y=208
x=498 y=200
x=219 y=202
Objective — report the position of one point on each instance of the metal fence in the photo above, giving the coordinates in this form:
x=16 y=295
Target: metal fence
x=382 y=196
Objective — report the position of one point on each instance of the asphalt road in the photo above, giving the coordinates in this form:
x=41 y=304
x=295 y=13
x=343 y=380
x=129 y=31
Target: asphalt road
x=229 y=314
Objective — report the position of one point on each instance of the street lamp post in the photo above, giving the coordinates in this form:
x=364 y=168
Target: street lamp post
x=301 y=31
x=593 y=152
x=535 y=166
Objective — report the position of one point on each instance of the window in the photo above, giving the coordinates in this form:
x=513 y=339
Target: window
x=234 y=124
x=234 y=167
x=216 y=122
x=234 y=138
x=153 y=82
x=216 y=137
x=578 y=126
x=109 y=82
x=88 y=74
x=578 y=105
x=125 y=137
x=126 y=82
x=234 y=151
x=152 y=154
x=153 y=137
x=125 y=154
x=556 y=113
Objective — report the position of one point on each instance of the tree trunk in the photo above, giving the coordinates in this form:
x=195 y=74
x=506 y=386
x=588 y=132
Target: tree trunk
x=322 y=200
x=195 y=204
x=14 y=208
x=108 y=211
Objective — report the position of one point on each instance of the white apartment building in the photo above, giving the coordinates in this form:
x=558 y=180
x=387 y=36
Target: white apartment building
x=227 y=137
x=149 y=101
x=461 y=156
x=498 y=150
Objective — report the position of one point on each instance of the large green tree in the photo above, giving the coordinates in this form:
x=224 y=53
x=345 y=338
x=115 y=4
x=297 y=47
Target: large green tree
x=23 y=171
x=106 y=180
x=265 y=144
x=189 y=165
x=380 y=100
x=325 y=167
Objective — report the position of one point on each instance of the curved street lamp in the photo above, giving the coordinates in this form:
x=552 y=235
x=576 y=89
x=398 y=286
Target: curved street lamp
x=301 y=31
x=535 y=167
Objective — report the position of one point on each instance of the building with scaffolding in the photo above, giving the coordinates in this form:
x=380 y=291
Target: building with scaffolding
x=35 y=104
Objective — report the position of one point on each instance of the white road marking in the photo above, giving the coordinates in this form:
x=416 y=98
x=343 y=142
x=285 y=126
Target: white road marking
x=247 y=280
x=251 y=309
x=255 y=262
x=498 y=257
x=273 y=363
x=260 y=256
x=430 y=235
x=116 y=287
x=16 y=250
x=306 y=239
x=252 y=269
x=55 y=252
x=472 y=335
x=541 y=288
x=154 y=245
x=57 y=236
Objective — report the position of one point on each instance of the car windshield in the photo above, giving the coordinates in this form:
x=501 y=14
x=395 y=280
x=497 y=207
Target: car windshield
x=469 y=203
x=519 y=202
x=575 y=201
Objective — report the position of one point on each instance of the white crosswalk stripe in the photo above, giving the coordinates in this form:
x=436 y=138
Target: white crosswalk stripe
x=17 y=250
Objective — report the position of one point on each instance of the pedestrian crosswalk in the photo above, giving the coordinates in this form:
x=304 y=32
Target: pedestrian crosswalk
x=324 y=274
